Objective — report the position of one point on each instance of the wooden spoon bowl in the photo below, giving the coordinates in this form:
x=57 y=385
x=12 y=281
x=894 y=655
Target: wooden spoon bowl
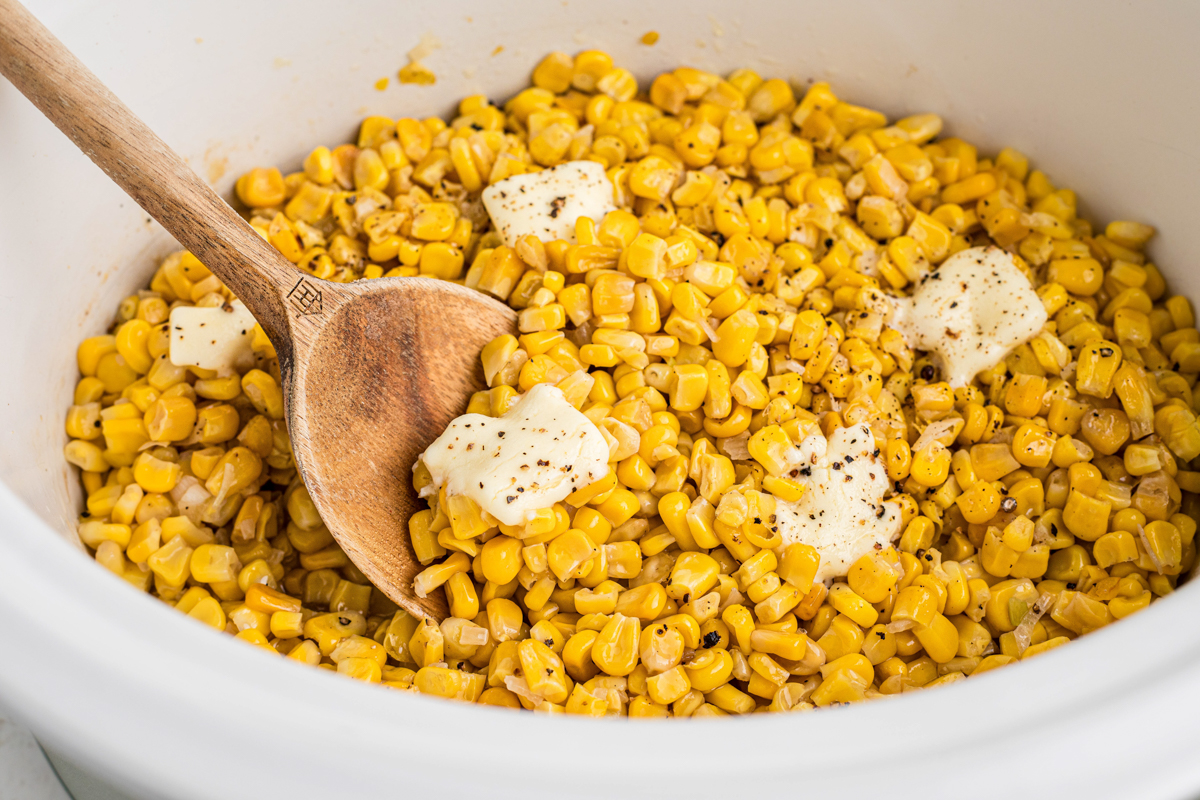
x=390 y=365
x=372 y=371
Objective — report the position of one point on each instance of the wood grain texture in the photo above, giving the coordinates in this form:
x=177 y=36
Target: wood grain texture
x=373 y=371
x=384 y=377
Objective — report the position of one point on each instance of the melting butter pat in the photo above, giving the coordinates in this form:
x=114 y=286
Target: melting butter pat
x=540 y=451
x=842 y=512
x=211 y=337
x=548 y=203
x=970 y=312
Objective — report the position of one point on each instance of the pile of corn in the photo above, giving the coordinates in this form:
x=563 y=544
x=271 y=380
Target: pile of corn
x=727 y=307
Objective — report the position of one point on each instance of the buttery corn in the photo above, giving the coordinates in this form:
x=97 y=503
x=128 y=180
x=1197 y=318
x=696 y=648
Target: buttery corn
x=727 y=309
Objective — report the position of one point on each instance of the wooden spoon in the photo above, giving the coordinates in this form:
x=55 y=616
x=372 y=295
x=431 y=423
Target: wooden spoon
x=373 y=371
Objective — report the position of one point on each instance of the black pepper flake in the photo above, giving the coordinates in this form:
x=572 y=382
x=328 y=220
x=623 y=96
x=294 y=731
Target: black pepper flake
x=837 y=465
x=849 y=459
x=927 y=373
x=543 y=462
x=879 y=514
x=500 y=434
x=510 y=498
x=1106 y=351
x=806 y=471
x=1071 y=586
x=711 y=639
x=1008 y=504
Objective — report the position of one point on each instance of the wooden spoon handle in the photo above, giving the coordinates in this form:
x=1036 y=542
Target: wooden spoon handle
x=151 y=173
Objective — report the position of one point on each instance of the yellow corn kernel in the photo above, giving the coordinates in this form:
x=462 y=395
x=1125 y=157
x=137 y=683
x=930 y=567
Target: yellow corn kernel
x=916 y=603
x=261 y=187
x=692 y=576
x=931 y=466
x=569 y=553
x=979 y=503
x=939 y=637
x=1097 y=369
x=1086 y=517
x=871 y=578
x=615 y=650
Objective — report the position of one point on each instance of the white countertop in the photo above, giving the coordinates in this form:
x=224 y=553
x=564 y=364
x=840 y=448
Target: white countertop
x=25 y=774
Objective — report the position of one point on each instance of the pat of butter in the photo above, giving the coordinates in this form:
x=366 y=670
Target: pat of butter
x=211 y=337
x=842 y=512
x=548 y=203
x=540 y=451
x=970 y=312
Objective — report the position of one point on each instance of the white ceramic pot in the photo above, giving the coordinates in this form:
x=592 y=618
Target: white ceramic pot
x=1100 y=95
